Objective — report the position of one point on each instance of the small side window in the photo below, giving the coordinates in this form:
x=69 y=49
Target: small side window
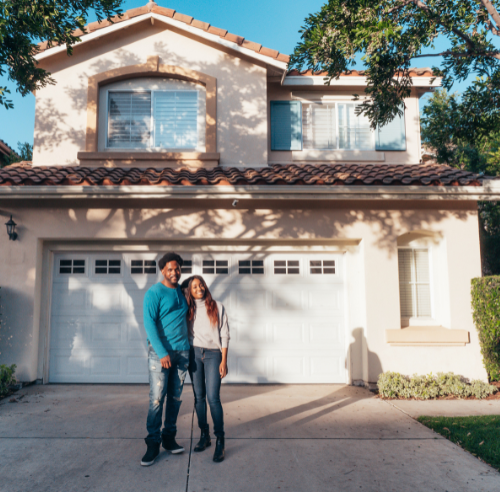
x=414 y=283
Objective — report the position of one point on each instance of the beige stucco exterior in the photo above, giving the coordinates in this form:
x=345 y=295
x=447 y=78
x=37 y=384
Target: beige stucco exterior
x=236 y=91
x=61 y=109
x=242 y=88
x=367 y=232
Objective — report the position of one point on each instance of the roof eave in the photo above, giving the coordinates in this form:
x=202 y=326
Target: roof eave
x=170 y=22
x=354 y=81
x=490 y=191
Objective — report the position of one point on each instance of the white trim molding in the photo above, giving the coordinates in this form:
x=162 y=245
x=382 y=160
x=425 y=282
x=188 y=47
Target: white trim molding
x=276 y=192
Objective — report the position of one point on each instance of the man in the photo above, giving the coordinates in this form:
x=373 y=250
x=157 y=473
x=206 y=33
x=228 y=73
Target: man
x=165 y=322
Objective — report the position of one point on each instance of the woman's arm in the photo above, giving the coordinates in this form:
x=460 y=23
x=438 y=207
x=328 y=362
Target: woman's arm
x=224 y=340
x=223 y=363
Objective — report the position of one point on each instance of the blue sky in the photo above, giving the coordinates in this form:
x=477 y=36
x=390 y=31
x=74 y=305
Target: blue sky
x=274 y=24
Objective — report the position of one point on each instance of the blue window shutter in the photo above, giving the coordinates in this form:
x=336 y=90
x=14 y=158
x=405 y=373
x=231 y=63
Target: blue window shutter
x=286 y=125
x=392 y=137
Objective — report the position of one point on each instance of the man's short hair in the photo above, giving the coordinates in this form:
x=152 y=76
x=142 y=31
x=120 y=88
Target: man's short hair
x=169 y=257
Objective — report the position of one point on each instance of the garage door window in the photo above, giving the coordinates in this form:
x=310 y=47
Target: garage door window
x=216 y=267
x=67 y=266
x=143 y=267
x=187 y=267
x=251 y=267
x=107 y=266
x=286 y=267
x=322 y=266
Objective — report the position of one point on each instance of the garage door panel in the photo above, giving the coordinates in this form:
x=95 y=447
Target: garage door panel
x=105 y=365
x=286 y=328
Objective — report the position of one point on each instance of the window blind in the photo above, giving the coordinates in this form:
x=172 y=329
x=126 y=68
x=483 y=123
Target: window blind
x=129 y=119
x=318 y=126
x=354 y=131
x=176 y=120
x=414 y=283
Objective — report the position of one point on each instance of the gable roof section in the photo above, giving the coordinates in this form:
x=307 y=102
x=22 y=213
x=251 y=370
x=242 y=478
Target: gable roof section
x=431 y=174
x=182 y=21
x=5 y=149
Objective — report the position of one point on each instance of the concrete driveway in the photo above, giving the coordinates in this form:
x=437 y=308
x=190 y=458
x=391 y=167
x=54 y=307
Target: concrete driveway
x=278 y=438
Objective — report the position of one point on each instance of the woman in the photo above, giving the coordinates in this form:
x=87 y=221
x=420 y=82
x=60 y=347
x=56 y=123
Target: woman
x=209 y=339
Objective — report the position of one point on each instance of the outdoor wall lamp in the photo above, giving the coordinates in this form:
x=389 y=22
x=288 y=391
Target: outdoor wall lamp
x=234 y=203
x=11 y=229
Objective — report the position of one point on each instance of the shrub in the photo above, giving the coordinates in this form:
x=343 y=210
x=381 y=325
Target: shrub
x=7 y=378
x=395 y=385
x=486 y=314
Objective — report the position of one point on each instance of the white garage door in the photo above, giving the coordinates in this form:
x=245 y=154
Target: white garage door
x=286 y=315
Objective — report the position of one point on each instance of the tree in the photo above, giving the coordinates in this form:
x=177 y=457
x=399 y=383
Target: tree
x=439 y=121
x=25 y=154
x=24 y=23
x=391 y=34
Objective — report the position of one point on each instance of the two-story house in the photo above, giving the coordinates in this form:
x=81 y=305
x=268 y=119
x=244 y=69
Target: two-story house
x=336 y=252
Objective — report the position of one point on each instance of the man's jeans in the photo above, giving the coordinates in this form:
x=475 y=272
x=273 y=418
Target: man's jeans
x=204 y=372
x=169 y=382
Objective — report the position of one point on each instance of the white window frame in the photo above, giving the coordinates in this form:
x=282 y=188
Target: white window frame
x=420 y=320
x=152 y=138
x=337 y=147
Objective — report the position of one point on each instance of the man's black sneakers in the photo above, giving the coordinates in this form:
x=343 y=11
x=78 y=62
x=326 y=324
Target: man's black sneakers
x=151 y=454
x=170 y=445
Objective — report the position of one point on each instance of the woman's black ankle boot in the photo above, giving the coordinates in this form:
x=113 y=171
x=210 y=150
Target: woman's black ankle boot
x=204 y=441
x=219 y=450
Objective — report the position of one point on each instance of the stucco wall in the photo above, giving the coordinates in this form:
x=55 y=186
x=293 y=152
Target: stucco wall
x=61 y=109
x=367 y=232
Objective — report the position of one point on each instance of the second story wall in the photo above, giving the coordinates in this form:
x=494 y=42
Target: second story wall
x=241 y=105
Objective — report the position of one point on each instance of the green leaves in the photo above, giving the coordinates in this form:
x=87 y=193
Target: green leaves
x=25 y=23
x=486 y=314
x=391 y=35
x=395 y=385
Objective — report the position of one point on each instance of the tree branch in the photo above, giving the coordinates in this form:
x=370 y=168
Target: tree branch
x=492 y=12
x=495 y=54
x=470 y=43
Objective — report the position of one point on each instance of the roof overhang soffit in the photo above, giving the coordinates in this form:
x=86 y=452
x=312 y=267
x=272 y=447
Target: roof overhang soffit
x=235 y=48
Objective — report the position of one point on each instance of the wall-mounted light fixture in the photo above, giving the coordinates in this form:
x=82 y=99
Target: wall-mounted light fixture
x=234 y=203
x=11 y=229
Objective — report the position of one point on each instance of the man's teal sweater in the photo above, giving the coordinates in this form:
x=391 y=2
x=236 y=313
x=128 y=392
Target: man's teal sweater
x=165 y=321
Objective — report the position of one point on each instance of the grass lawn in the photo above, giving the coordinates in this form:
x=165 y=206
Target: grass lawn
x=478 y=435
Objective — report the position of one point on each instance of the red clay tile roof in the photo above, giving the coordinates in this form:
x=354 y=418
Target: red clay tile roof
x=430 y=174
x=222 y=33
x=195 y=23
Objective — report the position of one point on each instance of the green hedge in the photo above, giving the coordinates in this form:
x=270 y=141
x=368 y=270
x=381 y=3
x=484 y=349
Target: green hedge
x=395 y=385
x=486 y=314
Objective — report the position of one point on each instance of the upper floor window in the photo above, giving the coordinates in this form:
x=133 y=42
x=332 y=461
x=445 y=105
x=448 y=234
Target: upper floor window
x=324 y=125
x=335 y=126
x=152 y=119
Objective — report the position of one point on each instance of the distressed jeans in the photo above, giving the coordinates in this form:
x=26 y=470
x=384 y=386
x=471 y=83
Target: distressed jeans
x=169 y=382
x=204 y=372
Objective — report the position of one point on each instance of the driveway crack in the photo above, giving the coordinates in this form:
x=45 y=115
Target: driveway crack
x=190 y=449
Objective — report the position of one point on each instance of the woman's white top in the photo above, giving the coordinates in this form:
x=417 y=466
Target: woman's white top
x=203 y=334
